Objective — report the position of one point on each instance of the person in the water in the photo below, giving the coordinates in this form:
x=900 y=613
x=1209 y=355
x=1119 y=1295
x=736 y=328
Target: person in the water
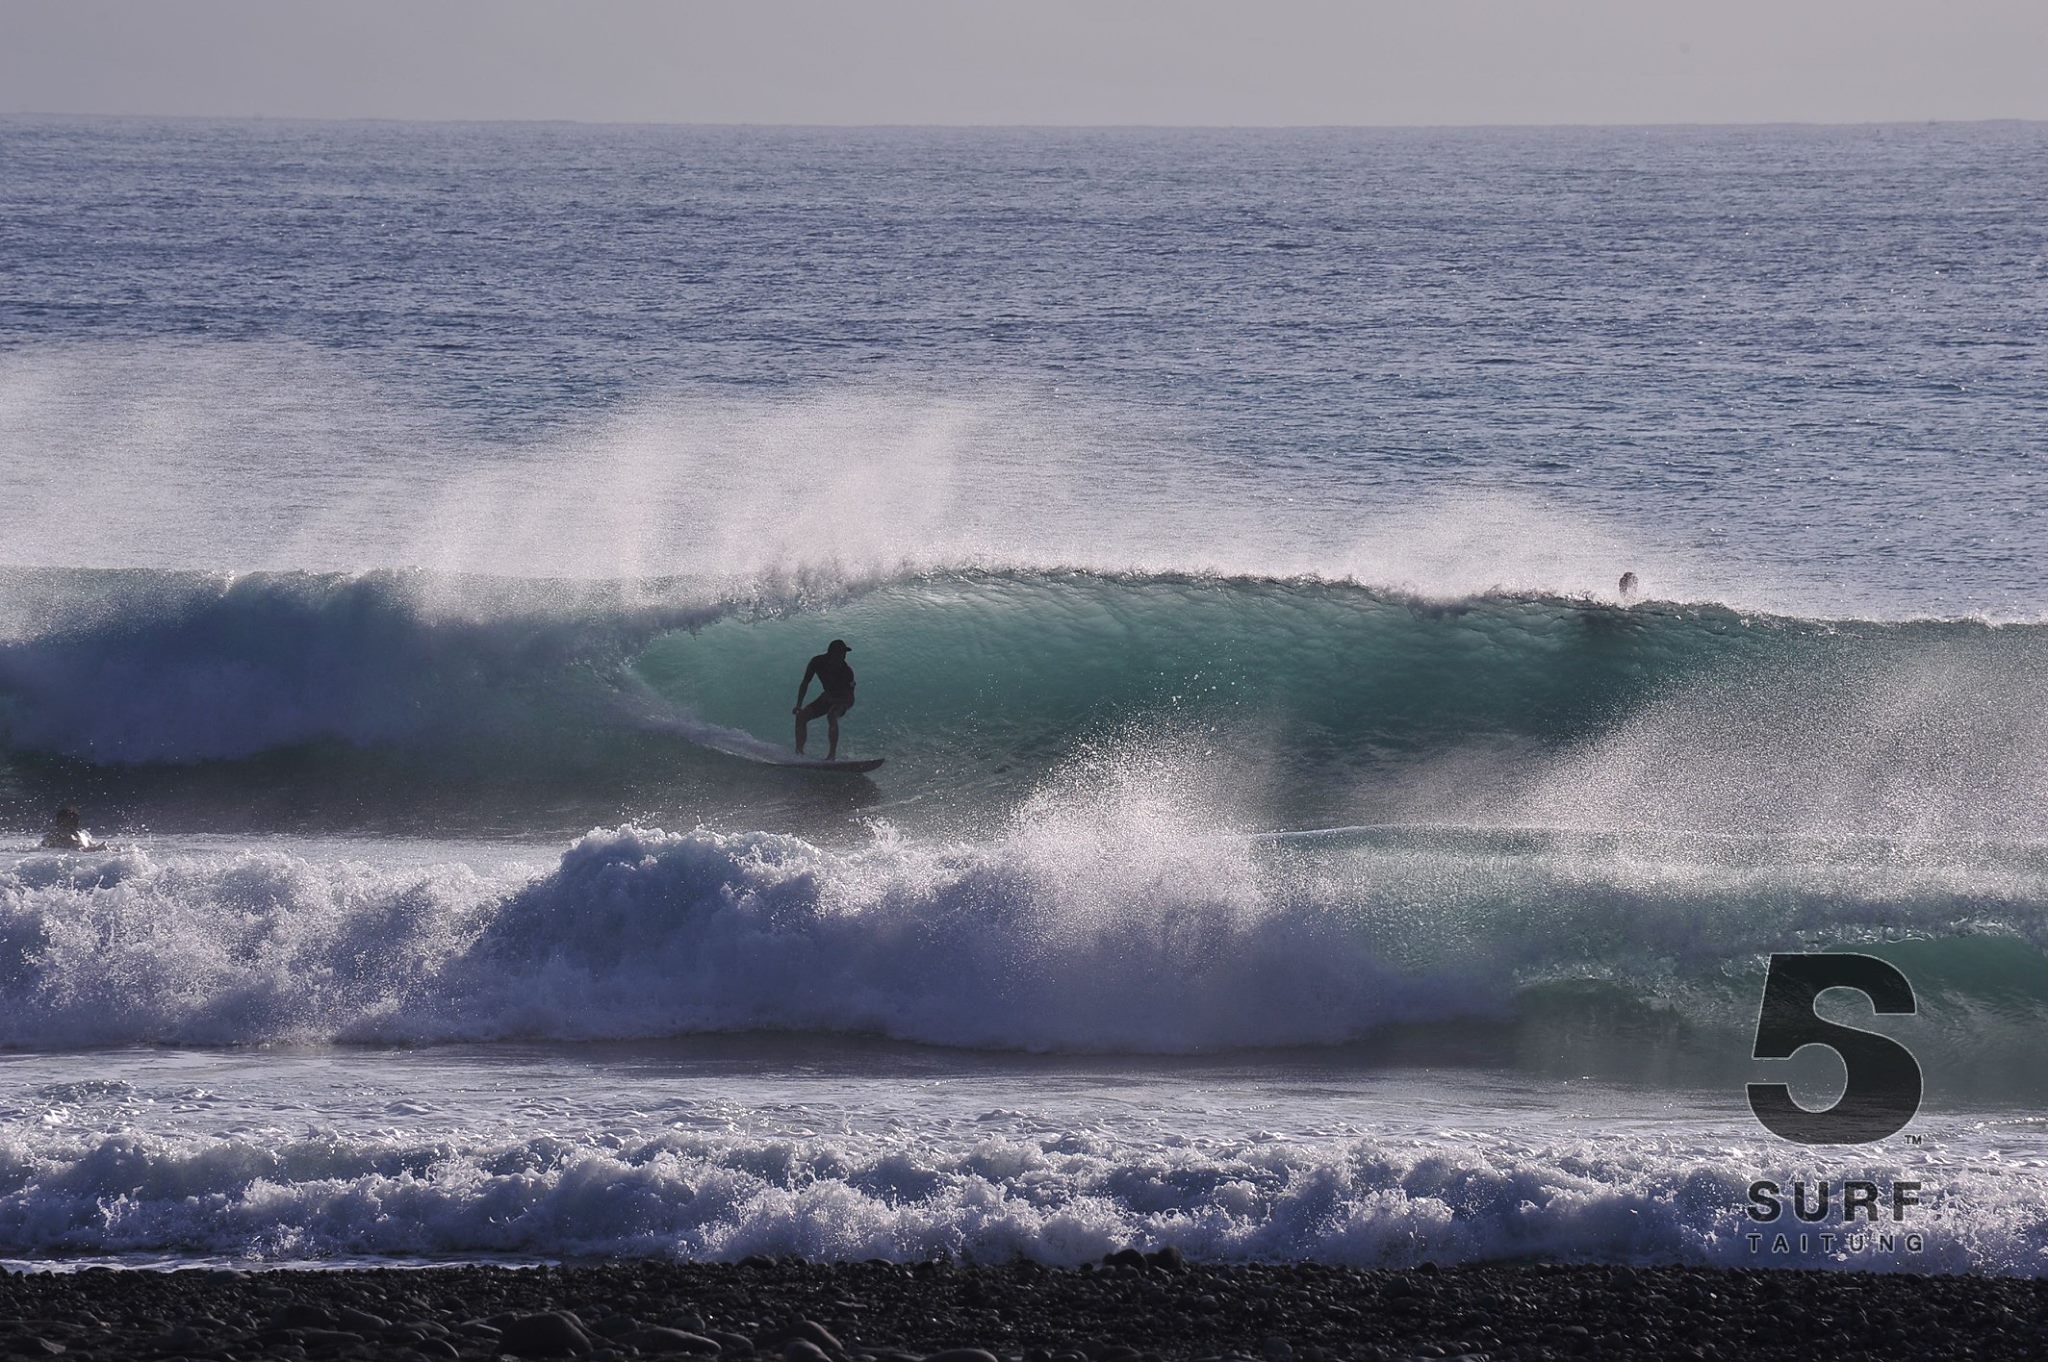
x=1629 y=586
x=836 y=697
x=66 y=833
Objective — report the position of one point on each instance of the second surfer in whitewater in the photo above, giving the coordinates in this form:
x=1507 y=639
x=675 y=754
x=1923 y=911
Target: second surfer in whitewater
x=836 y=678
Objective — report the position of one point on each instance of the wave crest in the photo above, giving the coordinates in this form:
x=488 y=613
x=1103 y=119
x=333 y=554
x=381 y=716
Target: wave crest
x=1350 y=704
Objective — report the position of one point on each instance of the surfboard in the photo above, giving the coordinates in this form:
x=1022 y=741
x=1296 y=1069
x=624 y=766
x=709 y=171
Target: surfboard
x=818 y=764
x=735 y=743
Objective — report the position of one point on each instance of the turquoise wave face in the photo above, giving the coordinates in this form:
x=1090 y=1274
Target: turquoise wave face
x=552 y=706
x=1336 y=701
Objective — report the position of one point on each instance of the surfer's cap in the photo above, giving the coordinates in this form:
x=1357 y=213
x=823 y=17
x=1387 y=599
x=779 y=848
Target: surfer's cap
x=837 y=645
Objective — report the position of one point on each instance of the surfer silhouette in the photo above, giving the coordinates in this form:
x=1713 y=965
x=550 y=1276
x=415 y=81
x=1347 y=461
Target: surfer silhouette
x=1628 y=586
x=66 y=833
x=835 y=678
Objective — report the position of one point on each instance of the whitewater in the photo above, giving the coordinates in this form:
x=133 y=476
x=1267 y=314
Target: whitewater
x=1292 y=846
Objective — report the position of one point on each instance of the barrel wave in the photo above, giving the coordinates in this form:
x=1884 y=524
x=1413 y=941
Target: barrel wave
x=547 y=706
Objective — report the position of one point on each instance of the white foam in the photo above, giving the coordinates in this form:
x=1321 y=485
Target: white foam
x=1057 y=1197
x=1119 y=909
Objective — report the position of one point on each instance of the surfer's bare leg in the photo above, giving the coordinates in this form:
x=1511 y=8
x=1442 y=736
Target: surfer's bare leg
x=802 y=727
x=832 y=732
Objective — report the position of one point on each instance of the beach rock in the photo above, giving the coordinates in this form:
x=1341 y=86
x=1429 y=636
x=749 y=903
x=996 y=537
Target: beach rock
x=1510 y=1314
x=810 y=1331
x=185 y=1339
x=552 y=1334
x=303 y=1315
x=669 y=1342
x=326 y=1340
x=803 y=1350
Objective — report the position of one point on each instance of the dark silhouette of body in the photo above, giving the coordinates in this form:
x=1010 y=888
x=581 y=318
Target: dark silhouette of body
x=1628 y=586
x=66 y=833
x=836 y=697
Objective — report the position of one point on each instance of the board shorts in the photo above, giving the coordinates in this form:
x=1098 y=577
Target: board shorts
x=834 y=705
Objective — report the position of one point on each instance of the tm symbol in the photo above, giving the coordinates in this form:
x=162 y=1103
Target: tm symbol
x=1913 y=1139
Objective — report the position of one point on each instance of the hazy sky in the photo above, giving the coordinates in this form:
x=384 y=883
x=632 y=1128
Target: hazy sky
x=1034 y=61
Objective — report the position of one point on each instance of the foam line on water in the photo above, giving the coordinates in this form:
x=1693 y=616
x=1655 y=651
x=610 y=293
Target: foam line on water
x=1062 y=1198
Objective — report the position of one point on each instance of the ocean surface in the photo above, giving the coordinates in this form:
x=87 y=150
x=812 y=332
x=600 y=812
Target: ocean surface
x=1290 y=846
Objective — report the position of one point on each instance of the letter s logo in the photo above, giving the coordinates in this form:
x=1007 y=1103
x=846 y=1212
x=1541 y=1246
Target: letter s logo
x=1883 y=1089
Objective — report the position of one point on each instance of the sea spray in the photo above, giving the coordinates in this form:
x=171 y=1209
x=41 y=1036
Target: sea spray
x=1111 y=918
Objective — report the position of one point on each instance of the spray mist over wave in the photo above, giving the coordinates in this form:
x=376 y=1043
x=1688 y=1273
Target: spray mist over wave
x=1120 y=911
x=332 y=471
x=1030 y=569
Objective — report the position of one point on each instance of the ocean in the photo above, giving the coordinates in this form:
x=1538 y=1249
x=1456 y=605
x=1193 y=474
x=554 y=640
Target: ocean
x=1291 y=847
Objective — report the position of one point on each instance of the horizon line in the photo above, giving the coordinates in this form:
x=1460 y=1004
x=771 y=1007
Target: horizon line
x=793 y=126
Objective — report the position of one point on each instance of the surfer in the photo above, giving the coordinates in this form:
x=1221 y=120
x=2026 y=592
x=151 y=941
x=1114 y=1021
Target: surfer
x=66 y=834
x=1628 y=586
x=836 y=698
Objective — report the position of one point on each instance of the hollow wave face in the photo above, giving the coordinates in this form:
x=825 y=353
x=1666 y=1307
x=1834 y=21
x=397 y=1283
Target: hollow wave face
x=140 y=667
x=1338 y=703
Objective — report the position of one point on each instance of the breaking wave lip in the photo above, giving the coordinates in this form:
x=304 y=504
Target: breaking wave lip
x=1112 y=917
x=1046 y=943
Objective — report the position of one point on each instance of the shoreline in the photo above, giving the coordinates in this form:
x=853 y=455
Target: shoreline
x=1131 y=1309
